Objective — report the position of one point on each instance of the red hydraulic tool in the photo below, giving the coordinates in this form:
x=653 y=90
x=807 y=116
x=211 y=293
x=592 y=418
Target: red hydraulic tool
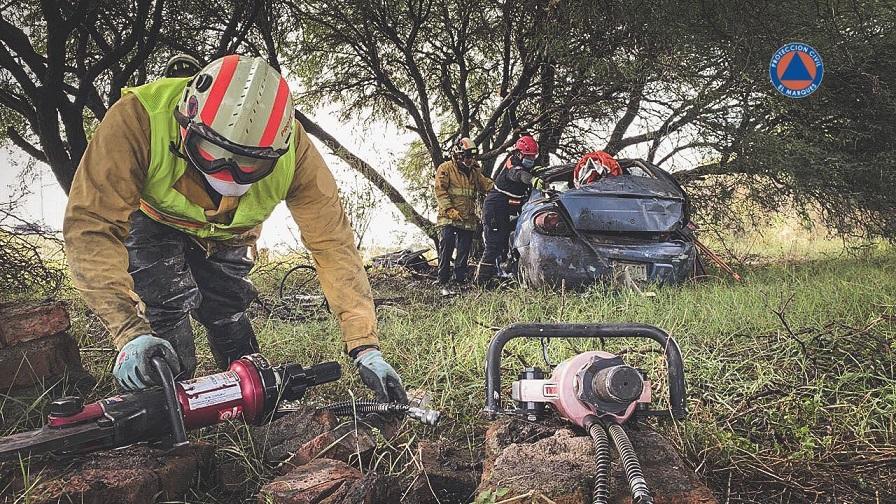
x=250 y=389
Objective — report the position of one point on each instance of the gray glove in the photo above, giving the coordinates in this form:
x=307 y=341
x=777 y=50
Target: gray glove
x=133 y=368
x=380 y=377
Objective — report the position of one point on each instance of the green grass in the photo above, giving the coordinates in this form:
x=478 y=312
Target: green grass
x=791 y=385
x=791 y=379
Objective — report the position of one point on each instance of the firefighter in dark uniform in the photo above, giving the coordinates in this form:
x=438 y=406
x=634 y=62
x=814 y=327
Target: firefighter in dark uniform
x=512 y=186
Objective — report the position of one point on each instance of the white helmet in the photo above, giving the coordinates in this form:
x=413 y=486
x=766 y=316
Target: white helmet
x=236 y=120
x=181 y=65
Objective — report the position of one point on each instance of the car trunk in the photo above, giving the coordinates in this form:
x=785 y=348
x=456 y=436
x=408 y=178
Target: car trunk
x=635 y=206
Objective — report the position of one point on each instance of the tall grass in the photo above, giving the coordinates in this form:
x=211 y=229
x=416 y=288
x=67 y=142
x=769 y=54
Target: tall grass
x=791 y=380
x=791 y=384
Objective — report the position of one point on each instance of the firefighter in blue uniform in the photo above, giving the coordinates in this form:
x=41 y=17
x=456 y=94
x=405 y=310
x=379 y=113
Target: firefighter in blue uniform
x=512 y=186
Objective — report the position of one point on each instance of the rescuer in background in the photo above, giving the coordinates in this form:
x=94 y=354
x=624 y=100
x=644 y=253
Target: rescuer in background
x=458 y=184
x=512 y=185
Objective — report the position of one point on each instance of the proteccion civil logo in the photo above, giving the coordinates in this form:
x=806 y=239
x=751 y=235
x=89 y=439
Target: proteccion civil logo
x=796 y=70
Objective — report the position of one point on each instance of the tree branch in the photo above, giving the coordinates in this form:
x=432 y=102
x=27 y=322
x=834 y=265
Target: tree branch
x=25 y=145
x=370 y=174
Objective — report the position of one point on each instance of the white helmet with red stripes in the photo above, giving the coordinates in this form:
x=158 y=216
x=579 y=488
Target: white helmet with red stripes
x=236 y=119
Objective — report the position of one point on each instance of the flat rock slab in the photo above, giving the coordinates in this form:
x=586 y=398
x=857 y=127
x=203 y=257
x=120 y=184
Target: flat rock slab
x=136 y=474
x=327 y=481
x=35 y=350
x=45 y=362
x=280 y=439
x=528 y=459
x=349 y=441
x=26 y=322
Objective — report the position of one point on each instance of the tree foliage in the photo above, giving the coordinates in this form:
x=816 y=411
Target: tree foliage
x=683 y=83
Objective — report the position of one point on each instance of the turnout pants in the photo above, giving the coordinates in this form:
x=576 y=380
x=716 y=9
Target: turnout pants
x=175 y=277
x=497 y=211
x=454 y=240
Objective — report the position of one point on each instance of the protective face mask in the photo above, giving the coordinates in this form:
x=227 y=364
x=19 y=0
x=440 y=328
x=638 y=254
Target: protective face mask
x=227 y=188
x=527 y=163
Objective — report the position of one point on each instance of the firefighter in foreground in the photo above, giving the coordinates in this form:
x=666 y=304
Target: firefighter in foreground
x=168 y=202
x=512 y=186
x=459 y=182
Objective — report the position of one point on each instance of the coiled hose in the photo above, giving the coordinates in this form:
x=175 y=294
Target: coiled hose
x=640 y=491
x=601 y=493
x=351 y=408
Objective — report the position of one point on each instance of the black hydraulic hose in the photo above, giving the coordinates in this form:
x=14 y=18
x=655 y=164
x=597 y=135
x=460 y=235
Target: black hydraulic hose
x=601 y=492
x=636 y=481
x=352 y=408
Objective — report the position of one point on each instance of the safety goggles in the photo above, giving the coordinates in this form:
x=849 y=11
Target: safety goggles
x=468 y=153
x=213 y=154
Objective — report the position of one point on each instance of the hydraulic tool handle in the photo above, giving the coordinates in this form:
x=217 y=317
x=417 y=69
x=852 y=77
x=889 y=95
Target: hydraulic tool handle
x=295 y=379
x=175 y=411
x=674 y=363
x=325 y=372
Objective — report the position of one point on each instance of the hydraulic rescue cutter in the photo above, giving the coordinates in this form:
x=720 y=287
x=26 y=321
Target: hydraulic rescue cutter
x=594 y=390
x=250 y=389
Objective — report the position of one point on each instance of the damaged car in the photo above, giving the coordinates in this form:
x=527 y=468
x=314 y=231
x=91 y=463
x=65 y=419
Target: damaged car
x=633 y=227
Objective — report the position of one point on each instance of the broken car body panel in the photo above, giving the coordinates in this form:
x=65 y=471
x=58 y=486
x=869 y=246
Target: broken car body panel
x=632 y=225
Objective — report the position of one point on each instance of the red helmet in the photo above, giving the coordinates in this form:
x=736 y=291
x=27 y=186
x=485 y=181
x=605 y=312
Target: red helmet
x=594 y=165
x=527 y=146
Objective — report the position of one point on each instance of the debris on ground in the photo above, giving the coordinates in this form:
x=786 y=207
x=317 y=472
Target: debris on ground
x=411 y=260
x=136 y=475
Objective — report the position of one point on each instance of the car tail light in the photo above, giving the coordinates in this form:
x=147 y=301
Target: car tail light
x=552 y=223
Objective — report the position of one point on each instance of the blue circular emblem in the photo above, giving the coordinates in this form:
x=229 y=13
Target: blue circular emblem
x=796 y=70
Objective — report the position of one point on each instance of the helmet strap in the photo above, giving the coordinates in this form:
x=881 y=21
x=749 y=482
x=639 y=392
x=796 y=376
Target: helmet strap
x=174 y=147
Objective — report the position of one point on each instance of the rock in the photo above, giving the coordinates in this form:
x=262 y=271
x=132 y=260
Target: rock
x=349 y=441
x=26 y=322
x=671 y=481
x=35 y=350
x=44 y=361
x=373 y=489
x=561 y=467
x=327 y=481
x=137 y=474
x=503 y=433
x=281 y=438
x=447 y=475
